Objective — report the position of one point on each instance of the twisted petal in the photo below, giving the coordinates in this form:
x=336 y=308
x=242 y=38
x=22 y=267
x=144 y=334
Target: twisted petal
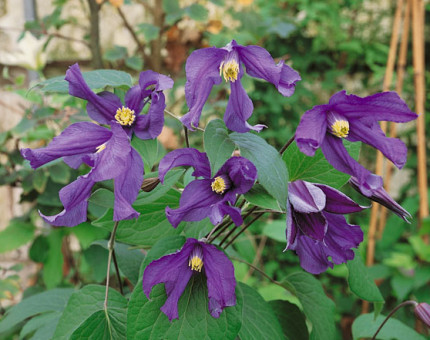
x=185 y=157
x=311 y=255
x=77 y=139
x=239 y=109
x=75 y=201
x=174 y=271
x=306 y=197
x=149 y=126
x=127 y=186
x=291 y=231
x=202 y=70
x=337 y=202
x=287 y=82
x=220 y=279
x=101 y=107
x=197 y=202
x=336 y=154
x=312 y=129
x=160 y=81
x=386 y=106
x=111 y=162
x=392 y=148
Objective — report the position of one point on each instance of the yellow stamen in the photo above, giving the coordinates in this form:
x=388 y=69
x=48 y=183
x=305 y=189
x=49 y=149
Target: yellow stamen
x=100 y=148
x=218 y=185
x=196 y=263
x=340 y=128
x=125 y=116
x=229 y=70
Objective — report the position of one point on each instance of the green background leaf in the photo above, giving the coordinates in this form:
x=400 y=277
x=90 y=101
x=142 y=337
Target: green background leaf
x=291 y=318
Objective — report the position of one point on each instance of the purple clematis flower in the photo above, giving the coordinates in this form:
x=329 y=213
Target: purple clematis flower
x=110 y=156
x=106 y=107
x=355 y=119
x=205 y=67
x=381 y=196
x=175 y=270
x=316 y=227
x=208 y=197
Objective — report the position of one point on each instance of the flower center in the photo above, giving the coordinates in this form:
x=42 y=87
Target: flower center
x=218 y=185
x=340 y=128
x=100 y=148
x=196 y=259
x=125 y=116
x=229 y=70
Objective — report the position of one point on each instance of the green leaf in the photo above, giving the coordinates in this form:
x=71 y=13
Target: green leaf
x=115 y=53
x=318 y=308
x=39 y=249
x=258 y=319
x=146 y=321
x=276 y=230
x=87 y=234
x=60 y=173
x=197 y=12
x=151 y=151
x=151 y=225
x=79 y=320
x=260 y=197
x=15 y=235
x=218 y=145
x=149 y=31
x=272 y=172
x=102 y=198
x=292 y=320
x=53 y=300
x=95 y=80
x=40 y=179
x=198 y=229
x=53 y=264
x=365 y=326
x=316 y=169
x=42 y=325
x=362 y=284
x=134 y=62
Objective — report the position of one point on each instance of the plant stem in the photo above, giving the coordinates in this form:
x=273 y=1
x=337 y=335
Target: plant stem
x=140 y=46
x=111 y=244
x=117 y=272
x=95 y=34
x=409 y=302
x=232 y=230
x=243 y=229
x=179 y=118
x=258 y=270
x=286 y=145
x=187 y=142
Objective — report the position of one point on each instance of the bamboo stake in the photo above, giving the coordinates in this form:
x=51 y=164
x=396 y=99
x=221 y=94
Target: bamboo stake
x=418 y=62
x=401 y=66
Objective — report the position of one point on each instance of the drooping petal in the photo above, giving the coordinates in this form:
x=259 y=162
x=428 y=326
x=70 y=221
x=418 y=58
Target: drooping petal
x=197 y=202
x=313 y=225
x=312 y=129
x=392 y=148
x=337 y=202
x=78 y=138
x=242 y=174
x=337 y=155
x=306 y=197
x=239 y=109
x=160 y=81
x=127 y=186
x=101 y=107
x=311 y=254
x=202 y=70
x=233 y=212
x=111 y=161
x=185 y=157
x=220 y=279
x=173 y=270
x=149 y=126
x=291 y=231
x=75 y=201
x=287 y=82
x=386 y=106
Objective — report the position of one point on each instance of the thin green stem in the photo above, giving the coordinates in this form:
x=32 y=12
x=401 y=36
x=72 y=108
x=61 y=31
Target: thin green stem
x=111 y=244
x=243 y=229
x=232 y=230
x=115 y=262
x=258 y=270
x=187 y=142
x=286 y=145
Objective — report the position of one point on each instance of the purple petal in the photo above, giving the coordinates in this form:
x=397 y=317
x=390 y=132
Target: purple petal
x=112 y=161
x=291 y=231
x=102 y=107
x=337 y=202
x=75 y=201
x=313 y=225
x=197 y=202
x=185 y=157
x=312 y=257
x=233 y=212
x=149 y=126
x=220 y=279
x=386 y=106
x=239 y=109
x=75 y=161
x=161 y=82
x=306 y=197
x=336 y=154
x=70 y=142
x=202 y=70
x=312 y=129
x=134 y=98
x=127 y=186
x=287 y=82
x=173 y=270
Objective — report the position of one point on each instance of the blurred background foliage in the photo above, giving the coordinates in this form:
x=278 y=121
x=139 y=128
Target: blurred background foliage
x=333 y=44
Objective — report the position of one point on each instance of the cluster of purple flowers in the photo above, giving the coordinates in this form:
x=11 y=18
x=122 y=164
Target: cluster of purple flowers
x=316 y=228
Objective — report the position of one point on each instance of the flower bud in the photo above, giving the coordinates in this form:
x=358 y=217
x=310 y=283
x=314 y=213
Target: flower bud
x=422 y=311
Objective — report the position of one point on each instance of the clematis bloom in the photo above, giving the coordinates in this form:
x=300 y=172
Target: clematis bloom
x=316 y=227
x=208 y=197
x=195 y=258
x=110 y=156
x=106 y=107
x=355 y=119
x=206 y=67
